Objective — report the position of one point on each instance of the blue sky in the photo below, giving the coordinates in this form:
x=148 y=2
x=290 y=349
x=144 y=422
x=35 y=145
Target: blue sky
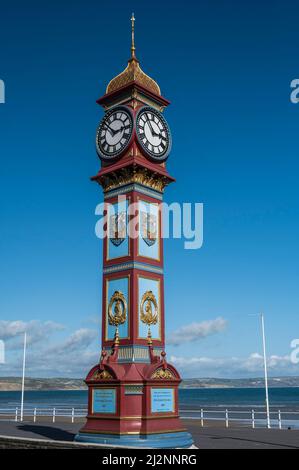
x=226 y=67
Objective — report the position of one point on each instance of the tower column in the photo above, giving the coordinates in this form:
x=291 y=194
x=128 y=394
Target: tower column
x=133 y=390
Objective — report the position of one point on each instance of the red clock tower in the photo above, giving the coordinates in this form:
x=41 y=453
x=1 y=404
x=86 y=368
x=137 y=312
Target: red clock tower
x=133 y=390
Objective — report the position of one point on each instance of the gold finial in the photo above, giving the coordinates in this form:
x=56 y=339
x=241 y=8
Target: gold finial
x=133 y=56
x=149 y=337
x=116 y=336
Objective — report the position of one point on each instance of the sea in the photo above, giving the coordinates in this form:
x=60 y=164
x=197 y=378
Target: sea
x=239 y=403
x=285 y=399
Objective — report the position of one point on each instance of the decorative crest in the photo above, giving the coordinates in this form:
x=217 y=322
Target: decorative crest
x=117 y=315
x=102 y=375
x=149 y=227
x=163 y=374
x=147 y=315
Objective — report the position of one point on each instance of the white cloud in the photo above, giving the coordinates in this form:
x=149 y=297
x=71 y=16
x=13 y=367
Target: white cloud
x=230 y=367
x=72 y=357
x=80 y=350
x=37 y=331
x=80 y=339
x=196 y=331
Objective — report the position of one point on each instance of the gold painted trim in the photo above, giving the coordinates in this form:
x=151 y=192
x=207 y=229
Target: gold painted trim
x=103 y=375
x=133 y=74
x=155 y=413
x=93 y=431
x=92 y=399
x=129 y=175
x=128 y=202
x=120 y=418
x=139 y=276
x=162 y=374
x=116 y=318
x=134 y=384
x=107 y=300
x=159 y=230
x=138 y=97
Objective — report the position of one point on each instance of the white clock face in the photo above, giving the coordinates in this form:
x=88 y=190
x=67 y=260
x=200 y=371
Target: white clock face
x=153 y=133
x=114 y=133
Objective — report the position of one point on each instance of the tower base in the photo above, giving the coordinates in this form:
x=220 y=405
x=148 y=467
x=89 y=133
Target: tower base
x=182 y=440
x=134 y=404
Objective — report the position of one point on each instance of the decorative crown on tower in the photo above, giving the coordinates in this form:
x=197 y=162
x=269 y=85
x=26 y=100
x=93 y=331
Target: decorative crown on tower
x=133 y=72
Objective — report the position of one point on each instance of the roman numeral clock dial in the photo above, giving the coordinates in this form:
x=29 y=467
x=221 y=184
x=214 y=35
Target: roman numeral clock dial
x=153 y=134
x=114 y=133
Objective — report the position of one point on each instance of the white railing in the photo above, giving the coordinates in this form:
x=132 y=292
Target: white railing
x=279 y=419
x=53 y=413
x=253 y=418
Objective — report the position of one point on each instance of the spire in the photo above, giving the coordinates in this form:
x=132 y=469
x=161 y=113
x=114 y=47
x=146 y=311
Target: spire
x=133 y=56
x=133 y=72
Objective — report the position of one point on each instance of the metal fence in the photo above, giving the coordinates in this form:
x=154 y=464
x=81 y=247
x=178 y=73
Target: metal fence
x=253 y=418
x=34 y=413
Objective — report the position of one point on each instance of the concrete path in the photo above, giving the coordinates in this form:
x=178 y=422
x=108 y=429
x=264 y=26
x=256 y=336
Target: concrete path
x=211 y=437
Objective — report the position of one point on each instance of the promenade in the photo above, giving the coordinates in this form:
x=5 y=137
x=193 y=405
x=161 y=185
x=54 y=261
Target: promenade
x=213 y=436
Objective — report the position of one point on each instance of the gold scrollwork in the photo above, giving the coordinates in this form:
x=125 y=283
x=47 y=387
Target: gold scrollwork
x=118 y=314
x=162 y=374
x=103 y=375
x=147 y=315
x=129 y=175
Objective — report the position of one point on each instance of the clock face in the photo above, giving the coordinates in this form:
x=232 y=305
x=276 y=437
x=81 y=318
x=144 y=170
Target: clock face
x=153 y=133
x=114 y=132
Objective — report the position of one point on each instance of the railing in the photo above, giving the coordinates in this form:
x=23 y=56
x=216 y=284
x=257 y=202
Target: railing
x=35 y=413
x=253 y=418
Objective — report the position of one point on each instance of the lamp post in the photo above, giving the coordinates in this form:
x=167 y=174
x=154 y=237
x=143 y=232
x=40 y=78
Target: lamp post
x=23 y=376
x=265 y=369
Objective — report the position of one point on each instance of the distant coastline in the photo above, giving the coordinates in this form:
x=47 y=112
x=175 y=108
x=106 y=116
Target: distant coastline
x=14 y=383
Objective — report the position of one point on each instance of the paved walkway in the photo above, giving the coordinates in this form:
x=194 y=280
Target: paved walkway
x=211 y=437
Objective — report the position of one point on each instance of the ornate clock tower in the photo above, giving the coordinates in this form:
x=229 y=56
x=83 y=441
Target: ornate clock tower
x=133 y=390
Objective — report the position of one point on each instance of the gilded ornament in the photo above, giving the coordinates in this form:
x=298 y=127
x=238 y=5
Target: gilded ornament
x=133 y=73
x=117 y=309
x=103 y=375
x=130 y=175
x=149 y=315
x=163 y=374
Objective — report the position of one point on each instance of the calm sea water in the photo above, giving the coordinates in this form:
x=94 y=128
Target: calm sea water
x=235 y=398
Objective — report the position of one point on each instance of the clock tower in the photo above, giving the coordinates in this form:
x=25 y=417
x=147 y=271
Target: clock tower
x=133 y=390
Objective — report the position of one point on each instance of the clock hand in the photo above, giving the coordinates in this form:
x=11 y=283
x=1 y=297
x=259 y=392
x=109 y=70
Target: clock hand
x=154 y=133
x=121 y=128
x=150 y=125
x=112 y=133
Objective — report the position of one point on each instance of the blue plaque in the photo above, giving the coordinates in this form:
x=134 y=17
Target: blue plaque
x=162 y=400
x=104 y=400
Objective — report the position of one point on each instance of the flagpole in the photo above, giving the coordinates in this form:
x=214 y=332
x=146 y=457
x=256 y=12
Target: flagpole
x=23 y=376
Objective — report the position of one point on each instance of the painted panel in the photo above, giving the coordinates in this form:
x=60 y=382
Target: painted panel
x=104 y=400
x=121 y=285
x=162 y=400
x=149 y=230
x=146 y=285
x=118 y=240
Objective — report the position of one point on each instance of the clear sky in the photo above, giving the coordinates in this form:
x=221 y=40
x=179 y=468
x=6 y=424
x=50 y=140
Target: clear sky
x=226 y=67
